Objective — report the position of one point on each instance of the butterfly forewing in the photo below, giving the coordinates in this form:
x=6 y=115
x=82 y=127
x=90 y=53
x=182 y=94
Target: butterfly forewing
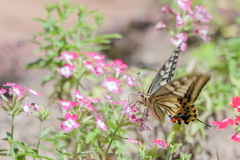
x=166 y=73
x=185 y=87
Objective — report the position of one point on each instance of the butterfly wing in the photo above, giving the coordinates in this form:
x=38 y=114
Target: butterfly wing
x=166 y=73
x=157 y=113
x=185 y=87
x=177 y=98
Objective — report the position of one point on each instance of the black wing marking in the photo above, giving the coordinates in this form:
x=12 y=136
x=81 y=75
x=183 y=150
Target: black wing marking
x=166 y=73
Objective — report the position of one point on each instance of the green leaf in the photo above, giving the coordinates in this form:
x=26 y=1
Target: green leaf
x=9 y=135
x=217 y=155
x=48 y=139
x=159 y=154
x=36 y=65
x=47 y=78
x=60 y=14
x=4 y=108
x=46 y=131
x=3 y=150
x=111 y=124
x=110 y=36
x=65 y=153
x=98 y=149
x=27 y=149
x=91 y=135
x=39 y=20
x=6 y=101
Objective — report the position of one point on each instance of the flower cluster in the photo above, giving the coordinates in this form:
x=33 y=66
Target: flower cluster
x=18 y=92
x=115 y=71
x=184 y=20
x=67 y=69
x=131 y=112
x=95 y=63
x=159 y=143
x=72 y=120
x=234 y=122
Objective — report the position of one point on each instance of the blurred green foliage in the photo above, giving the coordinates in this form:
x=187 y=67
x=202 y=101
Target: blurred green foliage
x=57 y=36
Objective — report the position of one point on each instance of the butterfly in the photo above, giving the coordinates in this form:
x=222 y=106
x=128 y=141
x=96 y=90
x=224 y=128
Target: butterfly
x=177 y=97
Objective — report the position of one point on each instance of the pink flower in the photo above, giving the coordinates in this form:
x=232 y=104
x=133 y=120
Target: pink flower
x=203 y=35
x=112 y=85
x=167 y=9
x=179 y=20
x=130 y=81
x=223 y=124
x=88 y=65
x=66 y=70
x=100 y=63
x=236 y=120
x=117 y=63
x=201 y=14
x=70 y=122
x=108 y=98
x=96 y=100
x=132 y=141
x=94 y=55
x=90 y=107
x=160 y=25
x=26 y=109
x=184 y=4
x=236 y=137
x=87 y=103
x=180 y=39
x=67 y=104
x=236 y=103
x=36 y=107
x=2 y=91
x=67 y=57
x=160 y=143
x=101 y=116
x=142 y=125
x=33 y=92
x=118 y=66
x=128 y=110
x=79 y=96
x=9 y=84
x=17 y=90
x=101 y=124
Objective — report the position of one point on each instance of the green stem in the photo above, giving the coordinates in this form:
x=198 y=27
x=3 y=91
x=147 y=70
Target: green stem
x=76 y=146
x=12 y=145
x=39 y=140
x=113 y=136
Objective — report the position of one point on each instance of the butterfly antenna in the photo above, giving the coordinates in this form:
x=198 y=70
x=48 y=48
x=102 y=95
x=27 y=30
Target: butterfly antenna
x=140 y=82
x=203 y=122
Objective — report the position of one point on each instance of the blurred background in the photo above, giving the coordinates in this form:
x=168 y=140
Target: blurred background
x=141 y=46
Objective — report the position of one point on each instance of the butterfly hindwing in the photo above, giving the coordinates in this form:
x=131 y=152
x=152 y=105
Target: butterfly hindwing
x=177 y=97
x=157 y=113
x=166 y=73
